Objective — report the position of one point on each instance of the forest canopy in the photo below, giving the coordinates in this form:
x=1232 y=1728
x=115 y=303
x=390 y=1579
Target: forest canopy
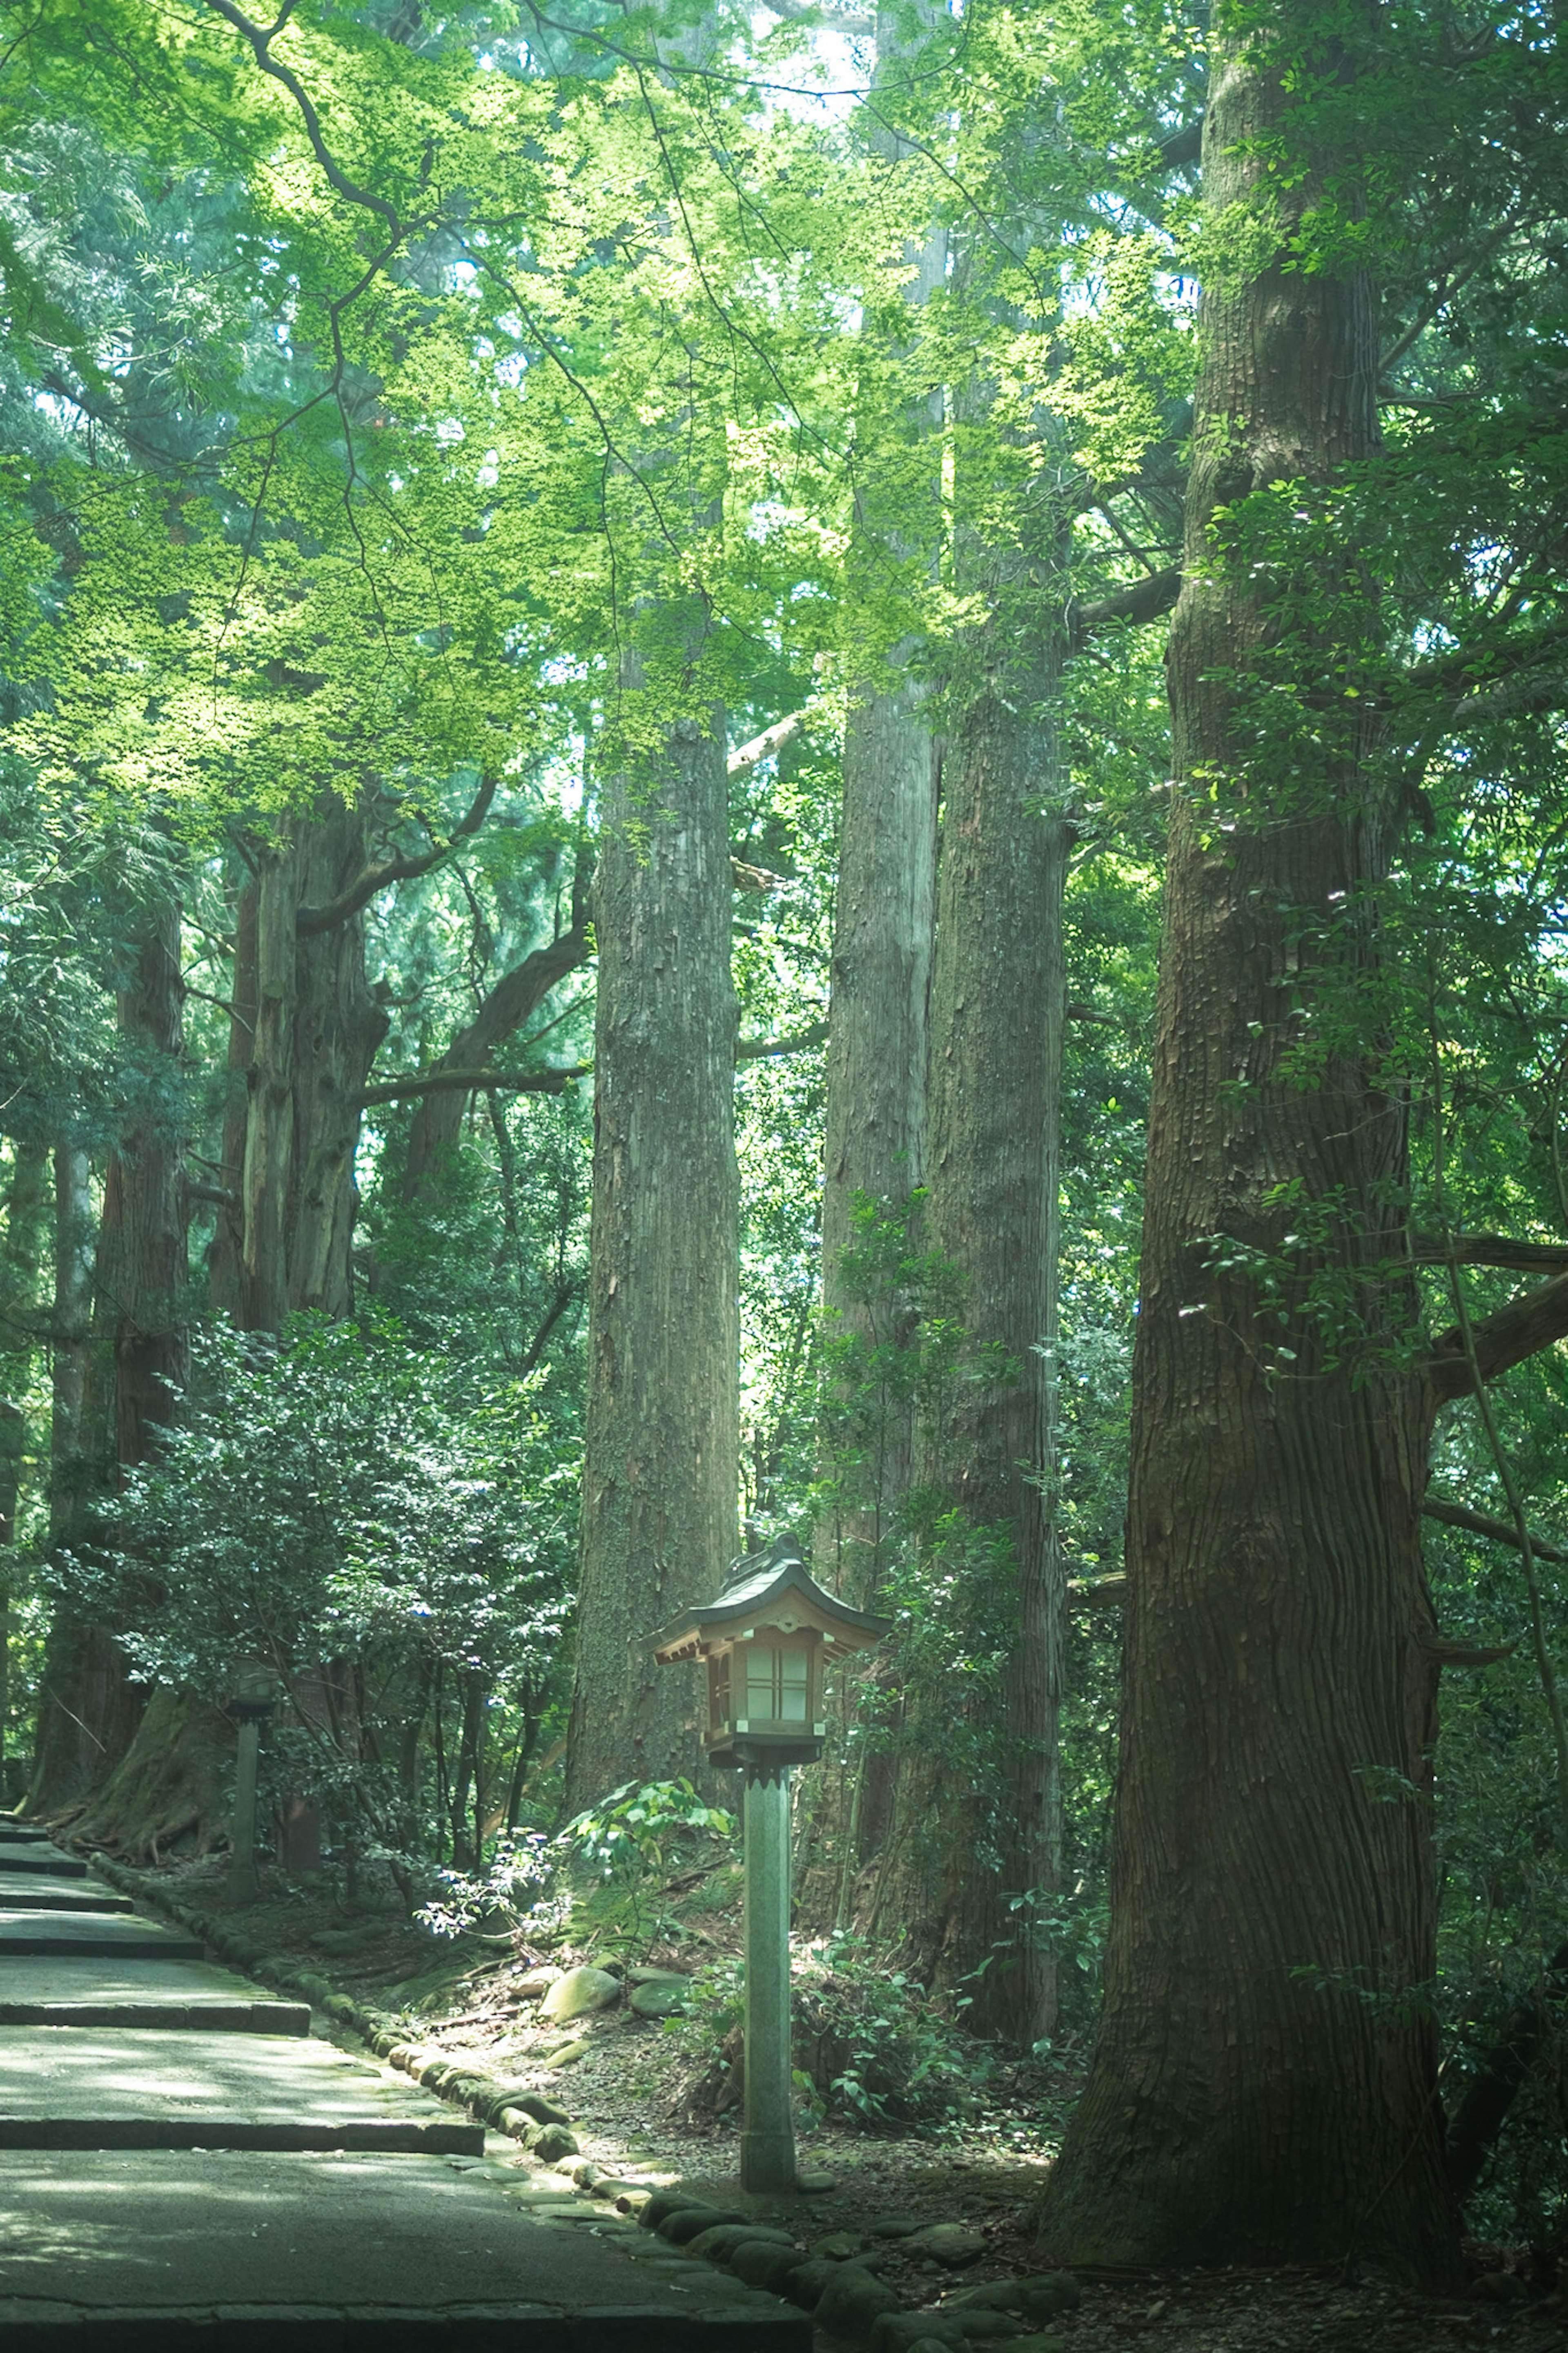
x=800 y=769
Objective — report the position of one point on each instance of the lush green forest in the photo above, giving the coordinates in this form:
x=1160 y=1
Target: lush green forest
x=801 y=768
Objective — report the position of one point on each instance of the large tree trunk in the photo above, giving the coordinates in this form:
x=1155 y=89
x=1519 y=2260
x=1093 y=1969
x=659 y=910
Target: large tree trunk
x=1264 y=2088
x=25 y=1224
x=305 y=1031
x=998 y=1013
x=660 y=1469
x=89 y=1710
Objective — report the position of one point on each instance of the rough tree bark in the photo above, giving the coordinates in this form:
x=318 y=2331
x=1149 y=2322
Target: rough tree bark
x=998 y=1016
x=1264 y=2087
x=661 y=1439
x=305 y=1030
x=24 y=1222
x=88 y=1709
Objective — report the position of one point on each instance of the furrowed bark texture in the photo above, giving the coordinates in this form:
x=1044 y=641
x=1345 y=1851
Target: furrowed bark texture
x=88 y=1709
x=998 y=1014
x=661 y=1439
x=1278 y=1706
x=25 y=1226
x=305 y=1031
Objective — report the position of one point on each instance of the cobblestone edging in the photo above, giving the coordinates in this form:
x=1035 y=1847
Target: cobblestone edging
x=541 y=2127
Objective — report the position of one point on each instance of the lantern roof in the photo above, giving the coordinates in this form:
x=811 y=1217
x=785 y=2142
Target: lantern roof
x=767 y=1589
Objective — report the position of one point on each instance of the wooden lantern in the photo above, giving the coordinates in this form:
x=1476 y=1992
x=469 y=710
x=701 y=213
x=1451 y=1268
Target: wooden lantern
x=766 y=1639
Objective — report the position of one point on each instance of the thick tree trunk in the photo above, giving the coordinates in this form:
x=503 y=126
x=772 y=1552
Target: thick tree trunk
x=660 y=1470
x=24 y=1223
x=89 y=1710
x=1264 y=2088
x=305 y=1031
x=998 y=1013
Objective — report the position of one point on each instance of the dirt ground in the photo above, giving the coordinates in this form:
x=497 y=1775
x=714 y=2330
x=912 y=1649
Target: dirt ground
x=629 y=2093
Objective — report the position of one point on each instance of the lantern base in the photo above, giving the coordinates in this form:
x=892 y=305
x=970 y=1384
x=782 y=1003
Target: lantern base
x=764 y=1755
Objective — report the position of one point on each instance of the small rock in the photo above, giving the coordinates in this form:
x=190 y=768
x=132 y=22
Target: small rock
x=807 y=2282
x=838 y=2246
x=633 y=2201
x=666 y=2202
x=852 y=2301
x=892 y=2226
x=813 y=2185
x=535 y=1983
x=1499 y=2287
x=1039 y=2344
x=1039 y=2295
x=661 y=1997
x=580 y=1991
x=987 y=2323
x=688 y=2223
x=718 y=2243
x=645 y=1975
x=948 y=2244
x=759 y=2265
x=585 y=2173
x=900 y=2332
x=566 y=2054
x=554 y=2142
x=535 y=2104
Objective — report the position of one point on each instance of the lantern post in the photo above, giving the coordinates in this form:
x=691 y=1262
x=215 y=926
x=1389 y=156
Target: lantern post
x=254 y=1698
x=765 y=1640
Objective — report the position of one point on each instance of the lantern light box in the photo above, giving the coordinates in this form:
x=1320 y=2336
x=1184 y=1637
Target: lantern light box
x=766 y=1639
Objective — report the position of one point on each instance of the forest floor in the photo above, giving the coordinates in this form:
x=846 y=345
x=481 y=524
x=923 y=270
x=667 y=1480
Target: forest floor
x=639 y=2092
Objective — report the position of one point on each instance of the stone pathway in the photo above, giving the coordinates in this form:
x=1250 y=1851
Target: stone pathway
x=185 y=2165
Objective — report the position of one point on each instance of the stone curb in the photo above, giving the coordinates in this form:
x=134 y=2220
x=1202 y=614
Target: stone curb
x=542 y=2128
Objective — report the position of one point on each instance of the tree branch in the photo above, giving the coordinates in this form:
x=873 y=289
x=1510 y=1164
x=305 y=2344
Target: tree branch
x=762 y=747
x=1488 y=1249
x=555 y=1081
x=1526 y=1325
x=1481 y=1524
x=1146 y=600
x=512 y=1082
x=366 y=886
x=259 y=37
x=760 y=1050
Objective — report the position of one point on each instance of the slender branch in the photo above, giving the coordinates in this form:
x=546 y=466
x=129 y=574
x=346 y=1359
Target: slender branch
x=1146 y=600
x=310 y=921
x=1481 y=1524
x=1488 y=1249
x=512 y=1082
x=259 y=37
x=762 y=747
x=556 y=1082
x=1526 y=1325
x=762 y=1049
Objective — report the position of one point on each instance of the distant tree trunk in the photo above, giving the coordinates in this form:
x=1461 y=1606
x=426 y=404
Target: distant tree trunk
x=88 y=1708
x=438 y=1122
x=879 y=1002
x=25 y=1224
x=305 y=1030
x=998 y=1015
x=1264 y=2088
x=661 y=1443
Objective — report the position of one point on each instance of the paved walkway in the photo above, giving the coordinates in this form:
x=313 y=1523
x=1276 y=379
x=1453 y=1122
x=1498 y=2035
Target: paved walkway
x=182 y=2165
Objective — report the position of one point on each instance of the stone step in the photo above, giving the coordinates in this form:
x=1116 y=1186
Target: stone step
x=34 y=1856
x=43 y=1895
x=74 y=2087
x=249 y=2253
x=114 y=1936
x=139 y=1993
